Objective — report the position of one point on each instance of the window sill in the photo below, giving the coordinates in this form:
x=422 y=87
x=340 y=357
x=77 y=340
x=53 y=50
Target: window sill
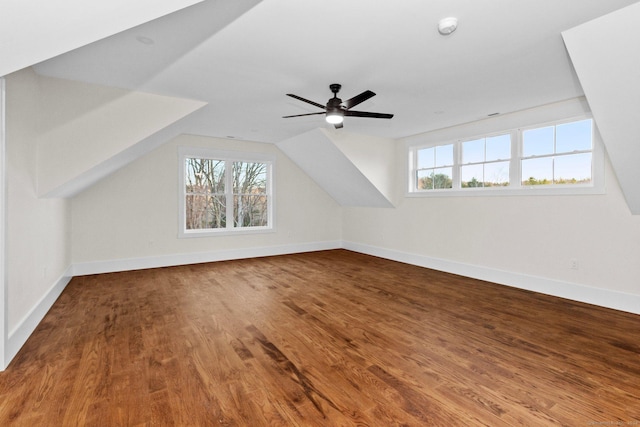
x=534 y=190
x=188 y=234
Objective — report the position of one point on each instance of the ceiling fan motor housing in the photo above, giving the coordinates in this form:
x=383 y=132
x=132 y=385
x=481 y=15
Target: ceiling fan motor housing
x=334 y=103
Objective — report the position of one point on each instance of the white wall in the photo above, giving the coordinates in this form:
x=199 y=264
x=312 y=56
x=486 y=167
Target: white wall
x=130 y=219
x=373 y=157
x=38 y=233
x=3 y=224
x=523 y=241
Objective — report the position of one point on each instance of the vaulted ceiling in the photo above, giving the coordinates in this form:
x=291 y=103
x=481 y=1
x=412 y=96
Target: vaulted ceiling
x=505 y=56
x=238 y=58
x=32 y=31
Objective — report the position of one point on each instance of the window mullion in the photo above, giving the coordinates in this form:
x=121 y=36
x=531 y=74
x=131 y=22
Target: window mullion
x=413 y=169
x=455 y=170
x=555 y=151
x=228 y=183
x=515 y=165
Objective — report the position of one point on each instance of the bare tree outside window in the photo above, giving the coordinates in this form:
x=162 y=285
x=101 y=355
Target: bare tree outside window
x=211 y=201
x=250 y=194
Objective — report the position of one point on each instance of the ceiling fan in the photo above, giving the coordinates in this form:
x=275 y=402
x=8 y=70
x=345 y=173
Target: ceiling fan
x=336 y=109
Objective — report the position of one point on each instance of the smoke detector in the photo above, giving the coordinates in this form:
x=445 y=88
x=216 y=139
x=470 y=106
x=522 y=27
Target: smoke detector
x=447 y=26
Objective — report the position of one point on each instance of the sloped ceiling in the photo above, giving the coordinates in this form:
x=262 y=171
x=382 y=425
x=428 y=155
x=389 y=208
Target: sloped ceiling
x=505 y=56
x=89 y=131
x=605 y=55
x=32 y=31
x=241 y=57
x=342 y=172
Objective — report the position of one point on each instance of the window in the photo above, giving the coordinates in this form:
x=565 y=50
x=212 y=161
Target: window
x=224 y=192
x=560 y=157
x=485 y=162
x=558 y=154
x=435 y=166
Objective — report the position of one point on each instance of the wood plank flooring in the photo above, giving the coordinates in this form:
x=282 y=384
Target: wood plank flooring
x=329 y=338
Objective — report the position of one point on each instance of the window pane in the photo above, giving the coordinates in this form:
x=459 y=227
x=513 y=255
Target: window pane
x=434 y=178
x=426 y=158
x=498 y=148
x=249 y=178
x=424 y=180
x=538 y=141
x=573 y=169
x=496 y=174
x=575 y=136
x=204 y=176
x=250 y=211
x=442 y=178
x=471 y=176
x=473 y=151
x=444 y=155
x=537 y=171
x=204 y=211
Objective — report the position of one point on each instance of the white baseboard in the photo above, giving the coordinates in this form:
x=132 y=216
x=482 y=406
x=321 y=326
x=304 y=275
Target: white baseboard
x=19 y=335
x=572 y=291
x=601 y=297
x=98 y=267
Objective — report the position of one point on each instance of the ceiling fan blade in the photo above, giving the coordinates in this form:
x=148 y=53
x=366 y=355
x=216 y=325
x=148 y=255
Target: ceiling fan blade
x=306 y=100
x=300 y=115
x=338 y=125
x=358 y=99
x=367 y=114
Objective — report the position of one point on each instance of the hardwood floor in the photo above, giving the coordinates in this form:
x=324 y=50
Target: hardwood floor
x=330 y=338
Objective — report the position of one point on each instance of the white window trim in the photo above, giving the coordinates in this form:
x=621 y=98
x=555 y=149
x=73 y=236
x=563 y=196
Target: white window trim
x=597 y=186
x=227 y=156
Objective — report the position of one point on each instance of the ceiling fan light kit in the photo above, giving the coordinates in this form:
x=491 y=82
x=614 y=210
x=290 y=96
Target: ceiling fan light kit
x=335 y=117
x=336 y=109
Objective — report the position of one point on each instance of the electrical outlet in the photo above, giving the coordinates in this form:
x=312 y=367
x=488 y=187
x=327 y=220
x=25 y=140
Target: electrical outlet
x=573 y=264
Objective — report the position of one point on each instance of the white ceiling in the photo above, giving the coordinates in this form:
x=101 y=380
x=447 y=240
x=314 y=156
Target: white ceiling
x=505 y=56
x=34 y=30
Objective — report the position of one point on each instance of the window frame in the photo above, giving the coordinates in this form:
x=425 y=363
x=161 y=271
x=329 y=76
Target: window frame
x=515 y=187
x=460 y=164
x=557 y=154
x=437 y=166
x=229 y=157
